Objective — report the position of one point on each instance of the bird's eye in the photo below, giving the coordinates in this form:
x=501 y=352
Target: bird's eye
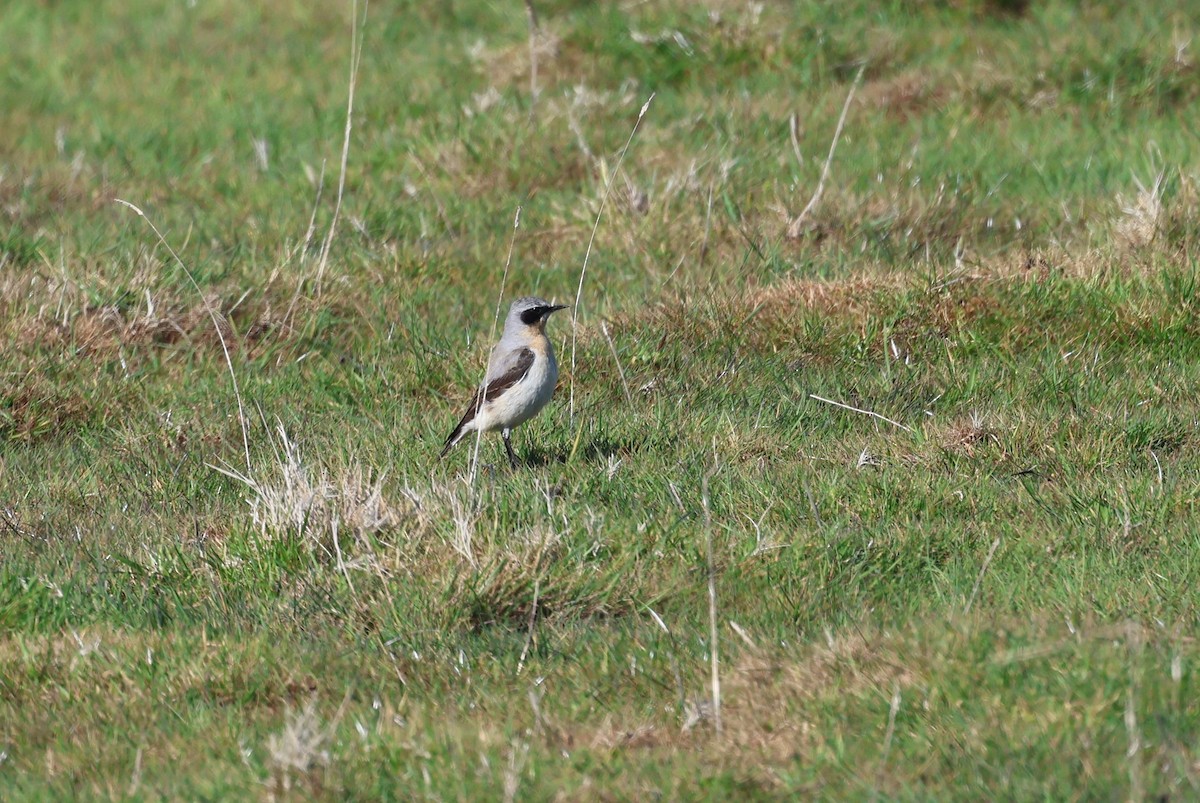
x=531 y=316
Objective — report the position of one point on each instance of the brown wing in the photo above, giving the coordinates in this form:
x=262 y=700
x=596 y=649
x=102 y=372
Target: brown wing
x=516 y=372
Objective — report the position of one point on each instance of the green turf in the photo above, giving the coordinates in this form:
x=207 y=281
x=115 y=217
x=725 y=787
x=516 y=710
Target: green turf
x=976 y=584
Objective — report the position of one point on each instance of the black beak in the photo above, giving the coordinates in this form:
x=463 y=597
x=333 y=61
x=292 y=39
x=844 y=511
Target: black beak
x=556 y=308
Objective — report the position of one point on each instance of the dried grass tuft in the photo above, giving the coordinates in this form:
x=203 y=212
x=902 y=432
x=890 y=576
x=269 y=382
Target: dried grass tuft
x=968 y=435
x=298 y=748
x=1141 y=216
x=907 y=95
x=327 y=514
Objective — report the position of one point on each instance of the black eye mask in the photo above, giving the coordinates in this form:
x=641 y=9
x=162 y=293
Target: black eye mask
x=532 y=315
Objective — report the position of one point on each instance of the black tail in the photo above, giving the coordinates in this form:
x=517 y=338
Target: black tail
x=467 y=418
x=453 y=439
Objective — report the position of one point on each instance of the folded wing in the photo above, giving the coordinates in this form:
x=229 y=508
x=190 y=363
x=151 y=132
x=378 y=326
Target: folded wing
x=516 y=365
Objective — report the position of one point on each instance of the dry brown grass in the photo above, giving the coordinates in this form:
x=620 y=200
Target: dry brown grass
x=966 y=435
x=56 y=315
x=33 y=406
x=297 y=750
x=851 y=297
x=894 y=216
x=38 y=200
x=103 y=331
x=62 y=348
x=508 y=64
x=1141 y=214
x=767 y=698
x=911 y=93
x=333 y=513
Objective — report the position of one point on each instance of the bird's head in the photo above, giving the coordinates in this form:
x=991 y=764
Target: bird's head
x=531 y=312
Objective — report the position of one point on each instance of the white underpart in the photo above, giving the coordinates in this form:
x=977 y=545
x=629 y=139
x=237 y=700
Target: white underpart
x=520 y=402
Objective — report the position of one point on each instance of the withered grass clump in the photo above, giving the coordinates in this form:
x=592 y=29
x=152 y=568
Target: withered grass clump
x=296 y=501
x=106 y=332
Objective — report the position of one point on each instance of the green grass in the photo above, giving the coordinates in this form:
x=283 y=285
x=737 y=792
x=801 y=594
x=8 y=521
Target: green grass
x=983 y=590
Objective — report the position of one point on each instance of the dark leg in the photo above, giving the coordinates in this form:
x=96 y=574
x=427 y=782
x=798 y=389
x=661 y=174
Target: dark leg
x=512 y=458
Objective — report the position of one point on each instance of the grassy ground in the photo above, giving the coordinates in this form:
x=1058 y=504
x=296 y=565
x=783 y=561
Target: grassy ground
x=978 y=584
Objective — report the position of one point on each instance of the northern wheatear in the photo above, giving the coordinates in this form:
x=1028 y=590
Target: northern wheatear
x=520 y=379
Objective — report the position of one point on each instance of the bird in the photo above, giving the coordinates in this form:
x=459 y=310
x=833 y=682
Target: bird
x=520 y=378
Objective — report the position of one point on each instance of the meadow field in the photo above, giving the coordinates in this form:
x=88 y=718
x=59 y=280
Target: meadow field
x=872 y=473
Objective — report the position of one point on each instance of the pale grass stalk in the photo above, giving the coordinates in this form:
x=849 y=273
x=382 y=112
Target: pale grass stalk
x=299 y=746
x=680 y=689
x=537 y=585
x=796 y=226
x=531 y=14
x=212 y=315
x=312 y=219
x=1136 y=789
x=812 y=504
x=432 y=190
x=337 y=548
x=573 y=124
x=887 y=740
x=794 y=135
x=714 y=653
x=356 y=40
x=135 y=779
x=517 y=756
x=1133 y=641
x=742 y=634
x=512 y=241
x=537 y=575
x=860 y=410
x=262 y=417
x=617 y=360
x=983 y=570
x=308 y=235
x=707 y=228
x=463 y=515
x=1176 y=677
x=588 y=253
x=658 y=620
x=541 y=724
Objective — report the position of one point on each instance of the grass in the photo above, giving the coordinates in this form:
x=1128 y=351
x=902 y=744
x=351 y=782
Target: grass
x=985 y=589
